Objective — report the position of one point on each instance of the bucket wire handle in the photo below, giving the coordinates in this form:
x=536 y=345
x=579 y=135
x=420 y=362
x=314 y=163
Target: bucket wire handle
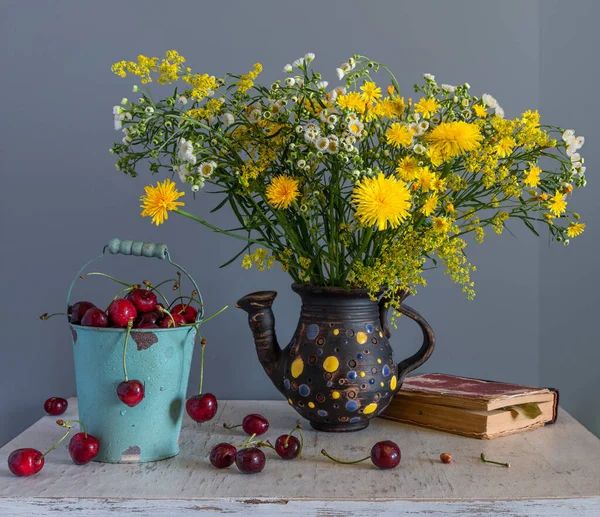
x=139 y=249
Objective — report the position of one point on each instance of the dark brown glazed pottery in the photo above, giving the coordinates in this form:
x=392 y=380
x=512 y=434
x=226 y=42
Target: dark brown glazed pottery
x=338 y=371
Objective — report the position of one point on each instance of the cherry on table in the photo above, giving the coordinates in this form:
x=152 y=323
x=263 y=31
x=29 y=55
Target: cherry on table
x=223 y=455
x=120 y=311
x=186 y=310
x=25 y=462
x=250 y=460
x=130 y=393
x=55 y=406
x=78 y=310
x=384 y=455
x=201 y=408
x=167 y=321
x=287 y=447
x=255 y=424
x=446 y=457
x=83 y=448
x=144 y=300
x=94 y=317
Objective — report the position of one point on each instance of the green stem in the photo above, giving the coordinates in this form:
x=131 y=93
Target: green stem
x=129 y=325
x=203 y=344
x=494 y=462
x=57 y=443
x=214 y=228
x=325 y=453
x=97 y=273
x=45 y=316
x=215 y=314
x=67 y=424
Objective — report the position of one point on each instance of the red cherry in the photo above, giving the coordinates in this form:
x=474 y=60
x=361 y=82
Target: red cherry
x=255 y=424
x=146 y=318
x=385 y=455
x=288 y=447
x=143 y=299
x=25 y=462
x=201 y=408
x=167 y=322
x=250 y=460
x=131 y=393
x=78 y=310
x=55 y=406
x=222 y=455
x=446 y=457
x=94 y=317
x=83 y=449
x=187 y=311
x=120 y=311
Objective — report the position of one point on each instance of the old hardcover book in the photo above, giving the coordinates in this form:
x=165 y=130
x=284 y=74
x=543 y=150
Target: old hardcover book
x=472 y=407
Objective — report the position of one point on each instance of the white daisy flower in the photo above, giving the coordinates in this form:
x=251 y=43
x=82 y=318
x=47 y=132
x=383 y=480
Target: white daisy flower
x=207 y=168
x=571 y=150
x=429 y=77
x=182 y=99
x=254 y=115
x=448 y=88
x=149 y=110
x=126 y=140
x=299 y=81
x=332 y=119
x=351 y=63
x=419 y=149
x=568 y=135
x=579 y=141
x=309 y=57
x=299 y=129
x=489 y=101
x=227 y=119
x=185 y=151
x=181 y=171
x=290 y=81
x=311 y=135
x=298 y=63
x=287 y=68
x=124 y=100
x=195 y=188
x=499 y=112
x=340 y=73
x=322 y=143
x=423 y=126
x=301 y=164
x=323 y=114
x=575 y=158
x=350 y=139
x=355 y=128
x=333 y=147
x=321 y=85
x=117 y=117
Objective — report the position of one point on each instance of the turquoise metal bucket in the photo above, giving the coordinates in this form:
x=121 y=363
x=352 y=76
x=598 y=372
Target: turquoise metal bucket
x=159 y=358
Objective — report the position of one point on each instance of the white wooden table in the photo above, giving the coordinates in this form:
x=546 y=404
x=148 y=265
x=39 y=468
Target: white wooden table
x=555 y=471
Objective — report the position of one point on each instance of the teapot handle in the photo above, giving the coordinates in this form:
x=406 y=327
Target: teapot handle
x=417 y=359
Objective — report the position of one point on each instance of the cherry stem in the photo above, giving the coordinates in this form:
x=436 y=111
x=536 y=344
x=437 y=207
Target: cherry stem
x=483 y=458
x=162 y=309
x=97 y=273
x=46 y=316
x=265 y=444
x=154 y=288
x=227 y=426
x=299 y=429
x=67 y=424
x=190 y=298
x=215 y=314
x=57 y=443
x=203 y=344
x=130 y=288
x=129 y=325
x=248 y=441
x=325 y=453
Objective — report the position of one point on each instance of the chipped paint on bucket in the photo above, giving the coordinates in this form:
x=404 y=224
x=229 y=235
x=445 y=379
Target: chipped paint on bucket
x=161 y=360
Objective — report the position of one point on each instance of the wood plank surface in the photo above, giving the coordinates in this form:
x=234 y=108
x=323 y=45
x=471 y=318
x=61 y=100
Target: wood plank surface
x=558 y=463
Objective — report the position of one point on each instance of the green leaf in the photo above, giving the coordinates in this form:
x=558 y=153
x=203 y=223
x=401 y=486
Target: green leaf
x=530 y=410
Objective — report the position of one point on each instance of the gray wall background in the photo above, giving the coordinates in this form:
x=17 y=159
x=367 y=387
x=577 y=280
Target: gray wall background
x=61 y=198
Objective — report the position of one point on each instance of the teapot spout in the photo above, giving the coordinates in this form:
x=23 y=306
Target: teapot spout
x=262 y=324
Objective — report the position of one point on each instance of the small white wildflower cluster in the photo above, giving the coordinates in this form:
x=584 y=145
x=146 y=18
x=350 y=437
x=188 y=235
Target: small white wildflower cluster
x=492 y=103
x=300 y=63
x=346 y=67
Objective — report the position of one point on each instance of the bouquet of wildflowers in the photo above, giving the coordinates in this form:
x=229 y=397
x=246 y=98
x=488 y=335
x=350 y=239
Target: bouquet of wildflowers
x=351 y=186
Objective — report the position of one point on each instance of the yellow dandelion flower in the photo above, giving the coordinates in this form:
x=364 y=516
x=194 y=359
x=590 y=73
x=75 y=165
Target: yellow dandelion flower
x=370 y=91
x=505 y=147
x=425 y=179
x=159 y=200
x=438 y=183
x=435 y=157
x=427 y=107
x=408 y=168
x=557 y=204
x=399 y=135
x=429 y=205
x=533 y=176
x=282 y=191
x=480 y=110
x=575 y=229
x=352 y=101
x=381 y=201
x=440 y=224
x=451 y=139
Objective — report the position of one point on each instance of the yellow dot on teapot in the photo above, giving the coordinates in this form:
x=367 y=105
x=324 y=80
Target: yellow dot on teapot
x=393 y=383
x=362 y=374
x=336 y=332
x=311 y=405
x=331 y=364
x=361 y=337
x=335 y=394
x=379 y=361
x=291 y=402
x=370 y=408
x=297 y=367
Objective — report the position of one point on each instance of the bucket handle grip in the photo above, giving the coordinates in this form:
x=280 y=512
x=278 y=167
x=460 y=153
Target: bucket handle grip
x=139 y=249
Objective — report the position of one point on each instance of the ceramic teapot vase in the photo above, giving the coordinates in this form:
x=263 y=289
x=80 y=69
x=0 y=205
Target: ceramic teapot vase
x=338 y=371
